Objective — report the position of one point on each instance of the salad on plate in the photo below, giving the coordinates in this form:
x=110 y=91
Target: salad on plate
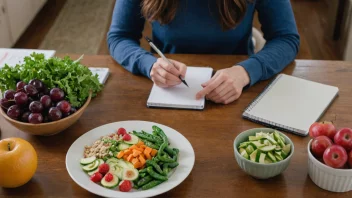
x=123 y=160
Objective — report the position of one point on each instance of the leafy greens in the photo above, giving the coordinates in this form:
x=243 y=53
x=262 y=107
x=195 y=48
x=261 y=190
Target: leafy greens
x=75 y=79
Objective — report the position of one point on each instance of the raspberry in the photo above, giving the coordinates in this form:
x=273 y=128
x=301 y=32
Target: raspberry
x=121 y=131
x=96 y=177
x=104 y=168
x=108 y=177
x=126 y=137
x=125 y=186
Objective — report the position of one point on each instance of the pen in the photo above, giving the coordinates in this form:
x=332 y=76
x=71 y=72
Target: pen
x=163 y=56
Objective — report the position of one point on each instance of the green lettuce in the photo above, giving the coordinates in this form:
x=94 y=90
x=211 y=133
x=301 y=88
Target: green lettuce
x=75 y=79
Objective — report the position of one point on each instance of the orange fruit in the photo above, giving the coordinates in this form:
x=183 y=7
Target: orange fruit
x=18 y=162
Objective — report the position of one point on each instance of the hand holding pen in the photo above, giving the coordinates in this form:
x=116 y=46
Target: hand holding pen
x=166 y=72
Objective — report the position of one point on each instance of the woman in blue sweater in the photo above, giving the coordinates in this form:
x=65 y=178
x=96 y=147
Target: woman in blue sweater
x=205 y=27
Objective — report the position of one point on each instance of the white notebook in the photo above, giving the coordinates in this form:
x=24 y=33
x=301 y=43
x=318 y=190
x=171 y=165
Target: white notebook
x=181 y=96
x=291 y=104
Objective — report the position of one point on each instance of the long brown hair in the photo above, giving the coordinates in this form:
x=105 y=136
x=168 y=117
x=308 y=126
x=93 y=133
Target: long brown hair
x=230 y=11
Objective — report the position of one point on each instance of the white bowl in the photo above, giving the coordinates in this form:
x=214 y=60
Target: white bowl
x=331 y=179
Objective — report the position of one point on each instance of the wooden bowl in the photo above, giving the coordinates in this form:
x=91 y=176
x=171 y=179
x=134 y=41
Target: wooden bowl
x=50 y=128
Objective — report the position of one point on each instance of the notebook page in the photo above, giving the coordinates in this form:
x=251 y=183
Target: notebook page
x=181 y=96
x=294 y=102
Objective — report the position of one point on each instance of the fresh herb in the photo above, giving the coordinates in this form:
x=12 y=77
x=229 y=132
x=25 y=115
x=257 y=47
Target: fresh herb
x=73 y=78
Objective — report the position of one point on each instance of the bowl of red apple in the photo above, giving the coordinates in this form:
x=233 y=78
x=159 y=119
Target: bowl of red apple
x=37 y=110
x=330 y=157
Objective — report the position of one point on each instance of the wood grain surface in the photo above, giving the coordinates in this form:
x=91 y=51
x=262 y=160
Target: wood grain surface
x=211 y=133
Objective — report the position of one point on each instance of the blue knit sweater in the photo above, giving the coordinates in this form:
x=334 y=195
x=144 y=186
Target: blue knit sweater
x=196 y=30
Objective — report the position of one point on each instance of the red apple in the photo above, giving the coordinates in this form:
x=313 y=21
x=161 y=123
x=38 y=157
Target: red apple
x=319 y=145
x=350 y=159
x=335 y=156
x=322 y=128
x=344 y=138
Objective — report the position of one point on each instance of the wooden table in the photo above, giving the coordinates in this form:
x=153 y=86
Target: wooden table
x=211 y=132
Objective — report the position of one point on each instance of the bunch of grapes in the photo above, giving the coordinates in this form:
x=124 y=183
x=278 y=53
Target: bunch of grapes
x=35 y=103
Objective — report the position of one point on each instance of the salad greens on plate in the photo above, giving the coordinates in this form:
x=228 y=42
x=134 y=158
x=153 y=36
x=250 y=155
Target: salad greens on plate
x=75 y=79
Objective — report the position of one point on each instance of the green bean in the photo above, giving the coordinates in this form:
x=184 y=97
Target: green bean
x=155 y=174
x=155 y=165
x=156 y=159
x=165 y=159
x=145 y=180
x=142 y=175
x=161 y=133
x=150 y=144
x=105 y=158
x=156 y=134
x=152 y=184
x=155 y=137
x=166 y=170
x=148 y=137
x=171 y=165
x=144 y=170
x=170 y=151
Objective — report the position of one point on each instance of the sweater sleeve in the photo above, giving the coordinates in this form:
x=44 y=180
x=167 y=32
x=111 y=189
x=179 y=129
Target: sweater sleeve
x=123 y=38
x=280 y=32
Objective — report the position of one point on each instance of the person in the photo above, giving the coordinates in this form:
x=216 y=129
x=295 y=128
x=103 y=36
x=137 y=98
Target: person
x=205 y=27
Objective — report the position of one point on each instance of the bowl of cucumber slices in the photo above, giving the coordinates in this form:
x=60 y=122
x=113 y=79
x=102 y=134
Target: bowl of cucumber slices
x=263 y=152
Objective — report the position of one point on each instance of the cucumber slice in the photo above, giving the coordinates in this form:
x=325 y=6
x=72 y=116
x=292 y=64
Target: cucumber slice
x=283 y=139
x=111 y=184
x=257 y=157
x=278 y=157
x=253 y=155
x=244 y=153
x=116 y=170
x=257 y=144
x=243 y=144
x=268 y=148
x=262 y=158
x=122 y=146
x=284 y=154
x=287 y=148
x=271 y=139
x=254 y=138
x=278 y=148
x=277 y=136
x=129 y=164
x=130 y=174
x=90 y=173
x=253 y=145
x=88 y=160
x=134 y=140
x=271 y=157
x=122 y=164
x=250 y=149
x=241 y=150
x=266 y=142
x=281 y=143
x=91 y=167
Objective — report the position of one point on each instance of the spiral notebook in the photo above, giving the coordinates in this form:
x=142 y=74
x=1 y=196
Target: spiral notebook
x=291 y=104
x=181 y=96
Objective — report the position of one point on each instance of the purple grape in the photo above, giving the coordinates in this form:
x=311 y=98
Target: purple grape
x=20 y=86
x=9 y=94
x=5 y=103
x=37 y=84
x=36 y=107
x=31 y=90
x=35 y=118
x=55 y=114
x=46 y=101
x=57 y=94
x=66 y=114
x=73 y=110
x=14 y=112
x=25 y=115
x=64 y=106
x=21 y=98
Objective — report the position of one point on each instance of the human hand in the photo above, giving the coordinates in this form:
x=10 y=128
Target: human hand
x=164 y=74
x=225 y=86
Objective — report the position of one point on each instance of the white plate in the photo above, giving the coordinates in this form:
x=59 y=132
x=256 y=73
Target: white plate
x=176 y=139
